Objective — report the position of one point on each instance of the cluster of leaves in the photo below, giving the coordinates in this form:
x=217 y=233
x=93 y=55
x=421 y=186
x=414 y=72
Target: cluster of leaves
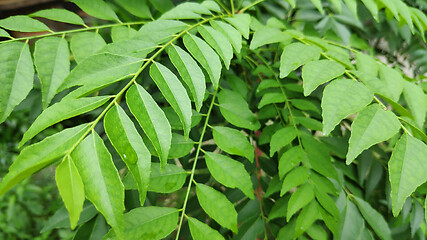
x=212 y=123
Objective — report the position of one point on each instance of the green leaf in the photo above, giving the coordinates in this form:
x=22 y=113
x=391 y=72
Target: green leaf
x=271 y=97
x=318 y=72
x=341 y=98
x=407 y=169
x=217 y=206
x=318 y=5
x=122 y=33
x=101 y=180
x=233 y=36
x=174 y=92
x=318 y=156
x=162 y=5
x=279 y=208
x=372 y=7
x=94 y=229
x=305 y=105
x=52 y=61
x=71 y=188
x=371 y=126
x=131 y=48
x=186 y=10
x=17 y=76
x=211 y=5
x=327 y=202
x=61 y=111
x=282 y=138
x=204 y=54
x=201 y=231
x=352 y=5
x=366 y=65
x=39 y=155
x=85 y=44
x=160 y=31
x=293 y=179
x=190 y=73
x=60 y=15
x=233 y=141
x=136 y=7
x=128 y=143
x=268 y=35
x=23 y=24
x=374 y=218
x=3 y=33
x=295 y=55
x=61 y=219
x=152 y=120
x=229 y=172
x=416 y=100
x=306 y=218
x=301 y=197
x=394 y=82
x=405 y=14
x=236 y=110
x=290 y=159
x=180 y=146
x=97 y=8
x=353 y=224
x=148 y=223
x=241 y=22
x=337 y=5
x=219 y=42
x=390 y=5
x=102 y=69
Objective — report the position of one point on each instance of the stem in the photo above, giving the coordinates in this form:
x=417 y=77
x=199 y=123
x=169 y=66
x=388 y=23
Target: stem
x=132 y=81
x=74 y=31
x=232 y=6
x=193 y=170
x=251 y=5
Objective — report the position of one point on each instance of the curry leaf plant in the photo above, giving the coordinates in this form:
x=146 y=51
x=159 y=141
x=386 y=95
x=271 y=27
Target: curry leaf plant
x=223 y=119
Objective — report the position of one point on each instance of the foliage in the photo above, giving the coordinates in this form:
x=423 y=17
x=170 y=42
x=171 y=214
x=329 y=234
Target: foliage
x=239 y=119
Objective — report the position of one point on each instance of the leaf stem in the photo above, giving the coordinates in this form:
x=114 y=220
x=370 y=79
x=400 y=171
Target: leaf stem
x=199 y=149
x=251 y=5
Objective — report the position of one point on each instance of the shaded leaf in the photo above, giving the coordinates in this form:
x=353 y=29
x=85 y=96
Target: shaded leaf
x=229 y=172
x=52 y=61
x=101 y=180
x=371 y=126
x=61 y=111
x=217 y=206
x=219 y=42
x=374 y=218
x=16 y=76
x=97 y=8
x=136 y=7
x=61 y=219
x=306 y=218
x=406 y=170
x=353 y=224
x=282 y=138
x=271 y=97
x=151 y=119
x=128 y=143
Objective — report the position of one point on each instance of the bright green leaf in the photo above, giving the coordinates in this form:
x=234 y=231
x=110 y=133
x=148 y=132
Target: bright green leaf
x=290 y=159
x=174 y=92
x=204 y=54
x=103 y=69
x=186 y=10
x=3 y=33
x=152 y=120
x=416 y=100
x=306 y=218
x=372 y=7
x=71 y=188
x=217 y=206
x=131 y=48
x=316 y=73
x=301 y=197
x=233 y=142
x=97 y=8
x=61 y=111
x=219 y=42
x=318 y=5
x=39 y=155
x=136 y=7
x=230 y=33
x=341 y=98
x=102 y=183
x=293 y=179
x=171 y=179
x=122 y=33
x=229 y=172
x=371 y=126
x=85 y=44
x=23 y=24
x=60 y=15
x=17 y=76
x=162 y=5
x=268 y=35
x=190 y=73
x=52 y=61
x=241 y=22
x=407 y=169
x=159 y=31
x=201 y=231
x=282 y=138
x=271 y=97
x=296 y=54
x=128 y=143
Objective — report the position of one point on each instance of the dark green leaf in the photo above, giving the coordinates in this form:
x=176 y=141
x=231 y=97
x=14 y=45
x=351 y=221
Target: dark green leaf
x=97 y=8
x=374 y=218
